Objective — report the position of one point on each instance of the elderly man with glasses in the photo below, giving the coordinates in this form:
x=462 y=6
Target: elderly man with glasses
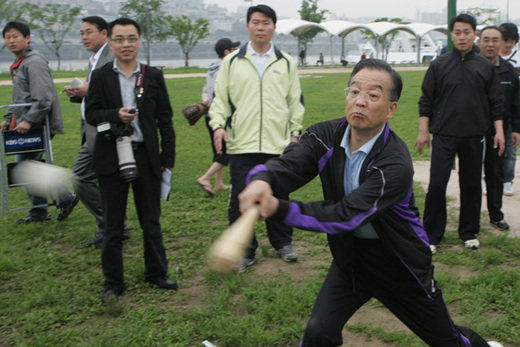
x=379 y=246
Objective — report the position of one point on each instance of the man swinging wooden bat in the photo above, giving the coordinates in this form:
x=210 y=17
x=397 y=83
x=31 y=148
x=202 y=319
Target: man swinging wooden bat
x=379 y=246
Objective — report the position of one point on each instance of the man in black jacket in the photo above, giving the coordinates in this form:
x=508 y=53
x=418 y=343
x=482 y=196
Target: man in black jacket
x=378 y=243
x=490 y=42
x=129 y=95
x=461 y=100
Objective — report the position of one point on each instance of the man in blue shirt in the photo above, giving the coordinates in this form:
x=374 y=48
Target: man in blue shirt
x=378 y=243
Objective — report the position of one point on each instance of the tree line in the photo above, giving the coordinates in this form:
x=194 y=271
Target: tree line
x=52 y=22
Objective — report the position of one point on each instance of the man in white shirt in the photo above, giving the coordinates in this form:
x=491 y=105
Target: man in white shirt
x=93 y=35
x=257 y=111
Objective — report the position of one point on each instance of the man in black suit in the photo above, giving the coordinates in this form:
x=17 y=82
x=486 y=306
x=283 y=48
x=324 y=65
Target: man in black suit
x=94 y=37
x=127 y=94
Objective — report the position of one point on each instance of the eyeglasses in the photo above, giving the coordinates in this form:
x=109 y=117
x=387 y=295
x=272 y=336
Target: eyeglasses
x=370 y=95
x=120 y=40
x=87 y=32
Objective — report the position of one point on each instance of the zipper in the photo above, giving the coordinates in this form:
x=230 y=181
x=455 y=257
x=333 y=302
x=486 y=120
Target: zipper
x=262 y=105
x=261 y=113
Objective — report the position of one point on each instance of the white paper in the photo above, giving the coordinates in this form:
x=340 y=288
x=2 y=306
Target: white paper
x=166 y=184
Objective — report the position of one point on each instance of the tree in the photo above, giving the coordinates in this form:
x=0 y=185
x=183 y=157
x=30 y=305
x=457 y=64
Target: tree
x=153 y=21
x=189 y=33
x=52 y=22
x=483 y=16
x=384 y=41
x=11 y=11
x=310 y=12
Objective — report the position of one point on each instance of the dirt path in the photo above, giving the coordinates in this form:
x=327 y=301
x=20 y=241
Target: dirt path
x=510 y=204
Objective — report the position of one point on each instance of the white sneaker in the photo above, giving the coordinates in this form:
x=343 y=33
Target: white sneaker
x=433 y=248
x=494 y=344
x=508 y=189
x=472 y=244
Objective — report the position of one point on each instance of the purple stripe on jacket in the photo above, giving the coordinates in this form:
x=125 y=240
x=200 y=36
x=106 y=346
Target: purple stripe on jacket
x=387 y=131
x=323 y=160
x=257 y=169
x=402 y=209
x=295 y=218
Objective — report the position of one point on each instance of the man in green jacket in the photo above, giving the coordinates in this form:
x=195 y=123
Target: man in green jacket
x=257 y=110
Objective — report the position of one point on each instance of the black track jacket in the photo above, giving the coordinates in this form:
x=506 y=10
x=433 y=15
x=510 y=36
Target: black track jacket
x=461 y=95
x=383 y=198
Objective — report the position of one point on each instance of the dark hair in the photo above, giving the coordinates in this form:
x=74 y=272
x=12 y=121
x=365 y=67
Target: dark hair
x=463 y=18
x=509 y=31
x=269 y=12
x=123 y=21
x=21 y=27
x=99 y=22
x=225 y=44
x=491 y=27
x=381 y=65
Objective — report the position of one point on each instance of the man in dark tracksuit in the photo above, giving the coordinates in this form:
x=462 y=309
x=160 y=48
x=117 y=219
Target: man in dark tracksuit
x=378 y=243
x=461 y=99
x=490 y=42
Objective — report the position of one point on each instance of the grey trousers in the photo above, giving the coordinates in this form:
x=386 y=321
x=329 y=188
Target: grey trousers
x=86 y=185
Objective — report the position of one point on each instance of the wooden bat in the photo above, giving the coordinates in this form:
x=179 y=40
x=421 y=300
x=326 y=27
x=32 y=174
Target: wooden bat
x=41 y=179
x=231 y=246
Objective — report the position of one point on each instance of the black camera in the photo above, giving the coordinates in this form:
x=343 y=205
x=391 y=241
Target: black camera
x=121 y=134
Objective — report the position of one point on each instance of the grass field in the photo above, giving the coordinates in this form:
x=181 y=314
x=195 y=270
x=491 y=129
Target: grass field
x=50 y=283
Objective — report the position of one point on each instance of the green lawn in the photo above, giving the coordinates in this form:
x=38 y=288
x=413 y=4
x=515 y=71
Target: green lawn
x=50 y=283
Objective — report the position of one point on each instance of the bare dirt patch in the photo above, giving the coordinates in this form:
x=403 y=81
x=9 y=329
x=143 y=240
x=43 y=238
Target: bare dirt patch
x=510 y=204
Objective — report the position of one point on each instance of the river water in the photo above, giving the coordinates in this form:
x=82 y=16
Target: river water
x=81 y=64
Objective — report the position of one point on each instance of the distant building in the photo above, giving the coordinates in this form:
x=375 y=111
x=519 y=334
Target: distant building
x=435 y=18
x=188 y=2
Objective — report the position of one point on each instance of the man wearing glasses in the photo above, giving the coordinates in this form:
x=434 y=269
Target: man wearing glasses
x=93 y=34
x=379 y=246
x=490 y=43
x=131 y=96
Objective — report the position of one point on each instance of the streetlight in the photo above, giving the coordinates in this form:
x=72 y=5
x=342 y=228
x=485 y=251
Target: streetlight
x=452 y=12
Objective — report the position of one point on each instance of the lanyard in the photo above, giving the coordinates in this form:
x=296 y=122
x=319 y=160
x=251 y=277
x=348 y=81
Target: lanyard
x=15 y=66
x=13 y=69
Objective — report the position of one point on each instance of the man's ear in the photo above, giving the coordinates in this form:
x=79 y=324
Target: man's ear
x=392 y=108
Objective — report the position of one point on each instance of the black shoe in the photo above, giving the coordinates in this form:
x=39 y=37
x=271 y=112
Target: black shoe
x=126 y=233
x=110 y=294
x=500 y=225
x=41 y=217
x=67 y=208
x=164 y=283
x=97 y=239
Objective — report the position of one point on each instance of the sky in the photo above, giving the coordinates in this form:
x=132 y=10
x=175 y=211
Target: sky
x=375 y=8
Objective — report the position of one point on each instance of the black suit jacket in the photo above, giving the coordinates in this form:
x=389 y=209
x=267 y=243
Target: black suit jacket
x=103 y=103
x=89 y=132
